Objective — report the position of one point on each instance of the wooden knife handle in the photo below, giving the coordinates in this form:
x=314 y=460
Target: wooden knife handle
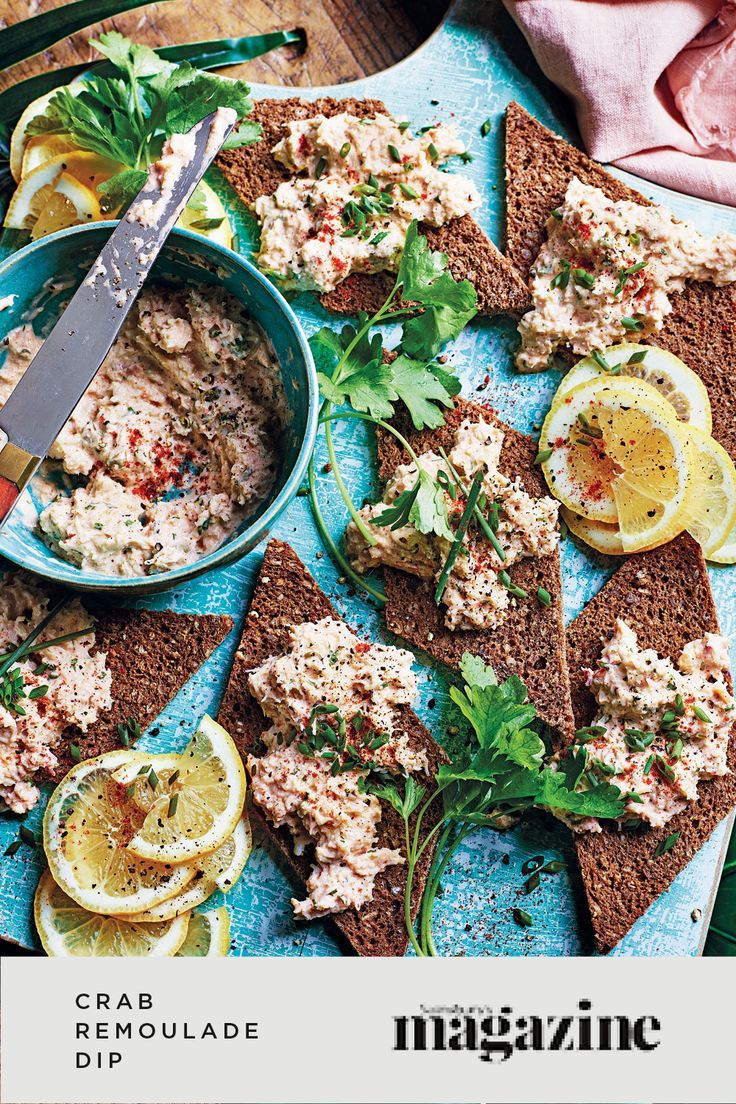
x=9 y=495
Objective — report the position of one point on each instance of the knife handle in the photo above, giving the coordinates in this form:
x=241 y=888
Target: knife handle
x=16 y=470
x=9 y=495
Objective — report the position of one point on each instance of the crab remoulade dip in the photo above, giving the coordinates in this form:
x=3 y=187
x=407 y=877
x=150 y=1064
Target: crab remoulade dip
x=478 y=594
x=358 y=183
x=46 y=691
x=661 y=727
x=334 y=703
x=175 y=442
x=606 y=272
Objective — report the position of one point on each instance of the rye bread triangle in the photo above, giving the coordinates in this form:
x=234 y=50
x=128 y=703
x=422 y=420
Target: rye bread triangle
x=665 y=597
x=285 y=595
x=252 y=171
x=151 y=654
x=530 y=643
x=701 y=328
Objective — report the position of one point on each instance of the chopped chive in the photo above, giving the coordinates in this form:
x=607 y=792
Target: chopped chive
x=532 y=883
x=562 y=278
x=543 y=456
x=666 y=845
x=588 y=429
x=345 y=149
x=554 y=867
x=637 y=358
x=28 y=836
x=679 y=705
x=75 y=753
x=635 y=239
x=522 y=918
x=631 y=324
x=378 y=237
x=12 y=848
x=583 y=278
x=403 y=125
x=123 y=734
x=173 y=802
x=174 y=777
x=648 y=765
x=432 y=151
x=485 y=128
x=590 y=732
x=532 y=864
x=600 y=360
x=635 y=797
x=394 y=154
x=544 y=597
x=556 y=214
x=664 y=768
x=152 y=779
x=38 y=692
x=505 y=580
x=701 y=714
x=408 y=191
x=459 y=534
x=320 y=168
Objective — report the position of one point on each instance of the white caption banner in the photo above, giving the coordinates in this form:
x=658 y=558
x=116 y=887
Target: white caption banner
x=350 y=1031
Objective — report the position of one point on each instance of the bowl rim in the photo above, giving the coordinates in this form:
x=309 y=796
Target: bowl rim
x=253 y=534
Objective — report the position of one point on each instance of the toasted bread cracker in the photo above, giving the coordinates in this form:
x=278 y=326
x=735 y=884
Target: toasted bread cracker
x=530 y=643
x=665 y=597
x=253 y=172
x=286 y=595
x=701 y=329
x=150 y=654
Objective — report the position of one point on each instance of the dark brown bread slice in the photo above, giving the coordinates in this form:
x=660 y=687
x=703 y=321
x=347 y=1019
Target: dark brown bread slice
x=666 y=598
x=253 y=172
x=531 y=641
x=701 y=329
x=285 y=595
x=151 y=654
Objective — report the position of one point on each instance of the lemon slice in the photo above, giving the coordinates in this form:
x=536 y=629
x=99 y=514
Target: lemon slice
x=726 y=554
x=41 y=149
x=666 y=373
x=711 y=507
x=69 y=203
x=86 y=828
x=68 y=931
x=200 y=801
x=598 y=534
x=208 y=934
x=19 y=138
x=618 y=455
x=208 y=218
x=30 y=198
x=219 y=870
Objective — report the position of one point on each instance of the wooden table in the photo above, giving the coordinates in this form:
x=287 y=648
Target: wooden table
x=346 y=39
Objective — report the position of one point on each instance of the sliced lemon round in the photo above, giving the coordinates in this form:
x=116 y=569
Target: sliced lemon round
x=598 y=534
x=200 y=801
x=74 y=176
x=87 y=826
x=660 y=369
x=208 y=934
x=711 y=502
x=208 y=216
x=618 y=454
x=726 y=554
x=68 y=931
x=219 y=870
x=69 y=204
x=42 y=148
x=19 y=138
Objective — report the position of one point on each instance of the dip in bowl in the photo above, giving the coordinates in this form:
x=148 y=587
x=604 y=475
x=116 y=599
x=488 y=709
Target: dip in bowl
x=211 y=390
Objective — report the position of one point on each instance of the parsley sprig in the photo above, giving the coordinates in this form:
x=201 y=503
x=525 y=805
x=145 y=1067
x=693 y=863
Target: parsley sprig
x=355 y=375
x=128 y=117
x=498 y=770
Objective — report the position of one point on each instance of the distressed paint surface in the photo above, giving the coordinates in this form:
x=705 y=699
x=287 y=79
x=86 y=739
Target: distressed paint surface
x=471 y=73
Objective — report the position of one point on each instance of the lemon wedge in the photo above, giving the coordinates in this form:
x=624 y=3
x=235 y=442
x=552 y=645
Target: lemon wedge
x=679 y=385
x=618 y=455
x=208 y=217
x=86 y=829
x=68 y=204
x=711 y=507
x=196 y=799
x=68 y=931
x=208 y=934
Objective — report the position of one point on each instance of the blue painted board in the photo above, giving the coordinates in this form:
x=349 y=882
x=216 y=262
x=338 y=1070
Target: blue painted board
x=469 y=67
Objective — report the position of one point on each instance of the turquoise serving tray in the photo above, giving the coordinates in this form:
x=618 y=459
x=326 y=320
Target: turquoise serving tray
x=471 y=67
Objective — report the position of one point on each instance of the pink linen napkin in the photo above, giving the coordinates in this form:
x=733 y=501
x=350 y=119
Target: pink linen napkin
x=653 y=83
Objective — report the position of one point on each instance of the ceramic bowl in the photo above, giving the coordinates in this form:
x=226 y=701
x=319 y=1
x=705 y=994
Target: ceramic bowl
x=42 y=276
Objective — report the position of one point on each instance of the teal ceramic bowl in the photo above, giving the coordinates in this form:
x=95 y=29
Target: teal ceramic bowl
x=44 y=274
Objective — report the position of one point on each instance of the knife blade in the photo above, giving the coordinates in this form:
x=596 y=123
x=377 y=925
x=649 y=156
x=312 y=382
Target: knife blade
x=61 y=371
